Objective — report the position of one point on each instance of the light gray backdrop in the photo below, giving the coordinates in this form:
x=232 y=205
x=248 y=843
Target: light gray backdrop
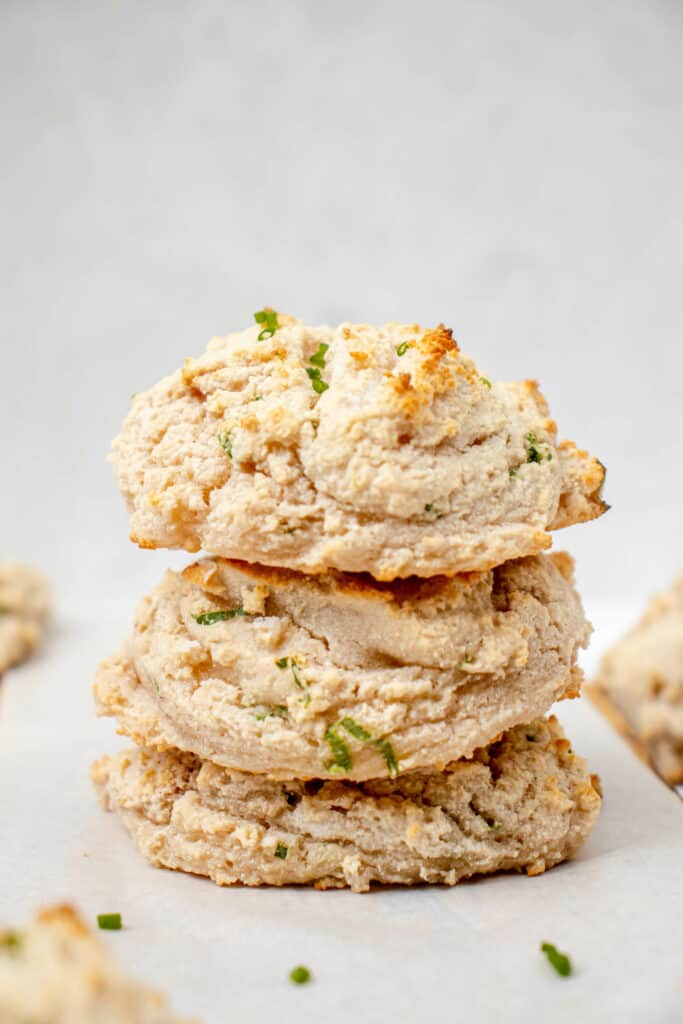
x=511 y=168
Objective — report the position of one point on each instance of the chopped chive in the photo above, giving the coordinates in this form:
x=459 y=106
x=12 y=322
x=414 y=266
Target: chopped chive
x=11 y=941
x=109 y=922
x=402 y=348
x=317 y=383
x=225 y=441
x=281 y=851
x=273 y=711
x=359 y=732
x=267 y=317
x=300 y=683
x=300 y=975
x=560 y=961
x=318 y=358
x=433 y=510
x=208 y=618
x=486 y=382
x=342 y=758
x=534 y=454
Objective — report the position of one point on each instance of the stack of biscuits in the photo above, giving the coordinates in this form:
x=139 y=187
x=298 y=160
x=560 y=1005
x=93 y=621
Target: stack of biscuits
x=352 y=687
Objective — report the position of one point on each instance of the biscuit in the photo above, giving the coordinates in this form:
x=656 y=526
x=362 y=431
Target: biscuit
x=640 y=681
x=24 y=606
x=57 y=972
x=266 y=670
x=358 y=448
x=524 y=803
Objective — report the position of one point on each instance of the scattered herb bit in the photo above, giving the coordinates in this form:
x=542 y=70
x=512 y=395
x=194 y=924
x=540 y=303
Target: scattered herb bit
x=267 y=317
x=281 y=851
x=225 y=441
x=513 y=471
x=300 y=975
x=402 y=348
x=222 y=615
x=382 y=745
x=534 y=453
x=318 y=358
x=10 y=941
x=292 y=798
x=109 y=922
x=486 y=382
x=317 y=383
x=301 y=684
x=468 y=659
x=274 y=711
x=431 y=508
x=340 y=752
x=560 y=961
x=256 y=398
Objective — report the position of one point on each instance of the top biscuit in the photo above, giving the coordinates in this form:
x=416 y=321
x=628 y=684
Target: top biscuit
x=359 y=448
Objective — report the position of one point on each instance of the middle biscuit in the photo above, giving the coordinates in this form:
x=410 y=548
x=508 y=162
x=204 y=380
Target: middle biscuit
x=266 y=670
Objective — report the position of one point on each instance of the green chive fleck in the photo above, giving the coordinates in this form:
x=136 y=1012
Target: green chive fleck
x=267 y=317
x=560 y=961
x=208 y=618
x=301 y=683
x=318 y=358
x=281 y=851
x=402 y=348
x=109 y=922
x=317 y=383
x=433 y=510
x=534 y=454
x=300 y=975
x=340 y=752
x=274 y=711
x=225 y=441
x=10 y=941
x=342 y=757
x=486 y=382
x=382 y=745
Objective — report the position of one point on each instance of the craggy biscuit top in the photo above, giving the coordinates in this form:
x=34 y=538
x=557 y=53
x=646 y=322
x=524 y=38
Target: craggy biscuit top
x=378 y=449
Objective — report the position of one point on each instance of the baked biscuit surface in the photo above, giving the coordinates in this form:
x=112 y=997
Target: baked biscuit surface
x=360 y=448
x=315 y=677
x=523 y=803
x=56 y=972
x=24 y=607
x=641 y=677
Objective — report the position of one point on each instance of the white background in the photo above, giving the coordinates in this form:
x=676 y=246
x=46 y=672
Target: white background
x=511 y=168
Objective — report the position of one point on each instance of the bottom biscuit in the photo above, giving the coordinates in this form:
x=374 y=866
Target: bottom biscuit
x=525 y=803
